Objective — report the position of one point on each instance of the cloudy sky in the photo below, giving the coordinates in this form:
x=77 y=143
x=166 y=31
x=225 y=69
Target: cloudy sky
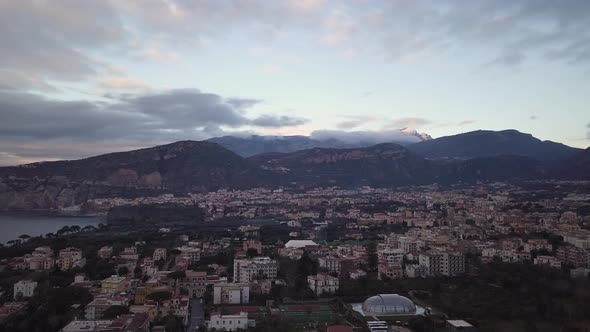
x=78 y=78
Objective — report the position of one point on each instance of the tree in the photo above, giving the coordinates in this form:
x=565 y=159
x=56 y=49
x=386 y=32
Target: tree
x=123 y=271
x=159 y=297
x=115 y=311
x=372 y=256
x=177 y=275
x=24 y=237
x=75 y=229
x=251 y=252
x=64 y=230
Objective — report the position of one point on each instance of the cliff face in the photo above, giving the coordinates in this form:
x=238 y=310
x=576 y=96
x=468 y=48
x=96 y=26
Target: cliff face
x=179 y=167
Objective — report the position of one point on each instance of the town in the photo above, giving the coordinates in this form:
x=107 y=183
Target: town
x=484 y=257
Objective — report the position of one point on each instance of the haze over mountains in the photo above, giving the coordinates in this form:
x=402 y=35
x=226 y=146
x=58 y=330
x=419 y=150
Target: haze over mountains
x=191 y=166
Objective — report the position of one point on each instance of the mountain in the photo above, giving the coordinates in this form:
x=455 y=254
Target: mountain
x=385 y=164
x=185 y=166
x=486 y=143
x=575 y=168
x=188 y=166
x=247 y=146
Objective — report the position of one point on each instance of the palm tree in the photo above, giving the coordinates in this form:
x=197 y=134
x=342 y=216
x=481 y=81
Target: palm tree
x=64 y=230
x=89 y=228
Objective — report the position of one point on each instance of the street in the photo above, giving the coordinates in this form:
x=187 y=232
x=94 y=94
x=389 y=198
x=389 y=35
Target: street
x=196 y=315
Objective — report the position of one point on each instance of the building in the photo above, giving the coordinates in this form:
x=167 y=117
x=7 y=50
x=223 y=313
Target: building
x=388 y=305
x=246 y=270
x=323 y=284
x=389 y=271
x=547 y=261
x=443 y=263
x=113 y=285
x=41 y=259
x=95 y=309
x=105 y=252
x=391 y=256
x=24 y=288
x=300 y=244
x=191 y=253
x=159 y=253
x=195 y=282
x=330 y=263
x=129 y=254
x=124 y=323
x=459 y=325
x=225 y=293
x=69 y=258
x=228 y=322
x=253 y=244
x=574 y=256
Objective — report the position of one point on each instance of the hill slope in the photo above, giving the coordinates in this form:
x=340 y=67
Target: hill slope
x=486 y=143
x=185 y=166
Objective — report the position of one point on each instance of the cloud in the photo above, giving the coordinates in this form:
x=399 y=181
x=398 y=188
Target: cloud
x=275 y=121
x=271 y=69
x=140 y=119
x=368 y=136
x=354 y=121
x=409 y=122
x=466 y=122
x=121 y=83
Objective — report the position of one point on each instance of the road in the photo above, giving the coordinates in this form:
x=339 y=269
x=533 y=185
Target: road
x=196 y=315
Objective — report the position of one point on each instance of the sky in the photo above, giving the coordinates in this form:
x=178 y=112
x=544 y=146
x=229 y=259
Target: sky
x=80 y=78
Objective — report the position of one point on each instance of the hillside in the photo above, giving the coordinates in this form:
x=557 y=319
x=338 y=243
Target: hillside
x=486 y=143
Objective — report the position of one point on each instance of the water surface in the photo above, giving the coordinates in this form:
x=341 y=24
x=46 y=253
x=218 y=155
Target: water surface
x=14 y=225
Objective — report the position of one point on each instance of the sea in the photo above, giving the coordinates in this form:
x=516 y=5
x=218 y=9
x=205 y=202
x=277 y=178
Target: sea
x=14 y=225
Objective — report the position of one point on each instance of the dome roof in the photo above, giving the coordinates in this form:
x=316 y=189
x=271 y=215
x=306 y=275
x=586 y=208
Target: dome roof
x=388 y=304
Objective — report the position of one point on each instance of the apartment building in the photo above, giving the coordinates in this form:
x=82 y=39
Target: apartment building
x=245 y=270
x=231 y=293
x=323 y=284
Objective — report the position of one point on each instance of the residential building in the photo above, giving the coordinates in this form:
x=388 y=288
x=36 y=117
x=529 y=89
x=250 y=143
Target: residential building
x=191 y=253
x=443 y=263
x=95 y=309
x=159 y=253
x=323 y=284
x=228 y=322
x=330 y=263
x=231 y=293
x=69 y=258
x=389 y=271
x=253 y=244
x=24 y=288
x=547 y=261
x=246 y=270
x=195 y=282
x=113 y=285
x=105 y=252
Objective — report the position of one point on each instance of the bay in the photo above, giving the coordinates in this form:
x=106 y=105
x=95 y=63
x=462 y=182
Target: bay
x=14 y=225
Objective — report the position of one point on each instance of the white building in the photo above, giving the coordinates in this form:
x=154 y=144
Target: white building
x=193 y=254
x=330 y=263
x=548 y=261
x=246 y=270
x=24 y=288
x=443 y=263
x=323 y=284
x=159 y=253
x=300 y=244
x=228 y=322
x=225 y=293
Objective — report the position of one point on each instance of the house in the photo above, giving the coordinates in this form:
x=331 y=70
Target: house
x=24 y=288
x=323 y=284
x=224 y=293
x=228 y=322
